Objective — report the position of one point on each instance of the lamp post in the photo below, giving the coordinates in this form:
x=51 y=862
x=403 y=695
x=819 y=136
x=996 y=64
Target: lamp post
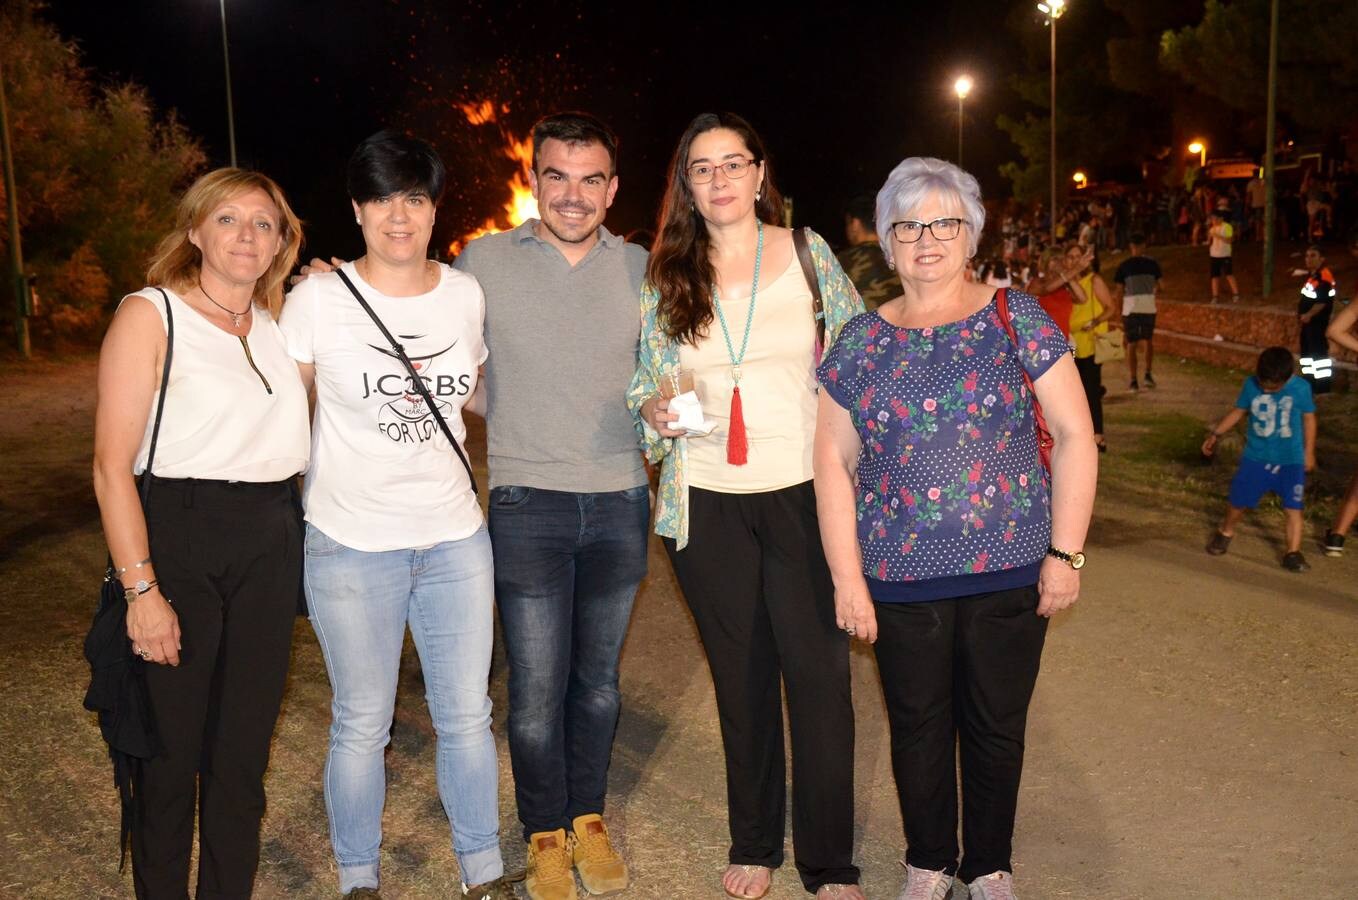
x=1270 y=143
x=1053 y=10
x=962 y=86
x=1200 y=148
x=230 y=113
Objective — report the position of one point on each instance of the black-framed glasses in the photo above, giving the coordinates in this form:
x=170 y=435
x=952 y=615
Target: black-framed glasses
x=909 y=231
x=702 y=173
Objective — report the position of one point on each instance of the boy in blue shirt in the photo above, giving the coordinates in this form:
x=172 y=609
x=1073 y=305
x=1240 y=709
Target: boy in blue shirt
x=1280 y=445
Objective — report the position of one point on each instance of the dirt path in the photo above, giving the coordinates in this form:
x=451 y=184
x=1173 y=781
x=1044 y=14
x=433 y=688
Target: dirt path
x=1193 y=732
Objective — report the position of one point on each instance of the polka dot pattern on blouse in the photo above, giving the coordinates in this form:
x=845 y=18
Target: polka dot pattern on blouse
x=949 y=483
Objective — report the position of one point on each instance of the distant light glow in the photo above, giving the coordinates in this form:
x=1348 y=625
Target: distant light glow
x=1052 y=9
x=962 y=86
x=1080 y=178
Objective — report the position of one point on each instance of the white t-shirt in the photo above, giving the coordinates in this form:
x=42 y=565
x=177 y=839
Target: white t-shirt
x=228 y=416
x=382 y=474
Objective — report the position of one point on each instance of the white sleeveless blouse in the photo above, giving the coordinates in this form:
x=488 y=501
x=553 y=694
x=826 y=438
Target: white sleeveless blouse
x=231 y=414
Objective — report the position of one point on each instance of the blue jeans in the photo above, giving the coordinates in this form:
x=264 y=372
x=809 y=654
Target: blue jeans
x=360 y=605
x=567 y=570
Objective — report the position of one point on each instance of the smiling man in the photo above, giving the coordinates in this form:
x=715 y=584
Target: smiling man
x=569 y=503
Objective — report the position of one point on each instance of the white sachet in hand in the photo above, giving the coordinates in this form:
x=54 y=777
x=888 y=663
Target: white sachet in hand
x=690 y=412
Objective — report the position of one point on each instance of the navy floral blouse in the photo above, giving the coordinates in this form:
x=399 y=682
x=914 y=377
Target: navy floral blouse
x=952 y=499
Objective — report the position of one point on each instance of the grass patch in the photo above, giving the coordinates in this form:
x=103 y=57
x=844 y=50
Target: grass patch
x=1156 y=460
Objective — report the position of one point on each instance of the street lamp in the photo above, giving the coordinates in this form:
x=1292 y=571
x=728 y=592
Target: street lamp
x=230 y=112
x=962 y=86
x=1053 y=10
x=1200 y=148
x=1080 y=179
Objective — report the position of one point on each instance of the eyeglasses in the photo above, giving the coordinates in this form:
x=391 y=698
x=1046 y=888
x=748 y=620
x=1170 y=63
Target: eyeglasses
x=910 y=231
x=702 y=173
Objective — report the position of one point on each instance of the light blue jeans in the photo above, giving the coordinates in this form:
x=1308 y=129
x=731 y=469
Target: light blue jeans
x=360 y=605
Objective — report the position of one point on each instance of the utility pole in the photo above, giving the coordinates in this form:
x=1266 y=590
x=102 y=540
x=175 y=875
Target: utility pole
x=230 y=113
x=962 y=87
x=23 y=302
x=1052 y=156
x=1053 y=10
x=1271 y=138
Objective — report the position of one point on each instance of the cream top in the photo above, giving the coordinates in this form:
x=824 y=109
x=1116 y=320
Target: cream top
x=777 y=389
x=229 y=415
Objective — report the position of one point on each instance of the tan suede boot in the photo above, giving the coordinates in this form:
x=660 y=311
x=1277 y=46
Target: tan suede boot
x=549 y=867
x=601 y=869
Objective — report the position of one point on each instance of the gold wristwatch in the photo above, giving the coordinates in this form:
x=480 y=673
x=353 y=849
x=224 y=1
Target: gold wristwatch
x=1076 y=559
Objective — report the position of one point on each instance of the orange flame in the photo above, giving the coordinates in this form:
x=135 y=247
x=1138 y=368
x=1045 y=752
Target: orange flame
x=521 y=205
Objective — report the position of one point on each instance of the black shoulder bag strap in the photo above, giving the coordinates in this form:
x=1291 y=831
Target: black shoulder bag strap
x=799 y=240
x=160 y=402
x=415 y=378
x=127 y=768
x=144 y=484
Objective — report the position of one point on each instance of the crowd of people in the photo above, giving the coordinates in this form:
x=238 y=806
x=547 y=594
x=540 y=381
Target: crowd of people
x=828 y=472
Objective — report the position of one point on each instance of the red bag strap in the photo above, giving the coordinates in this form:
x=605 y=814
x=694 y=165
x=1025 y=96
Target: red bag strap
x=1044 y=438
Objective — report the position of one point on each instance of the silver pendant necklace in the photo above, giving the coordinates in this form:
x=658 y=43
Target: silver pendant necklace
x=236 y=317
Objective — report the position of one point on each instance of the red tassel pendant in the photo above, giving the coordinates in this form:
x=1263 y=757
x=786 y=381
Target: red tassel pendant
x=737 y=443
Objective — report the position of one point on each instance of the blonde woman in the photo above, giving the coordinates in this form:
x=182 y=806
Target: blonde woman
x=211 y=565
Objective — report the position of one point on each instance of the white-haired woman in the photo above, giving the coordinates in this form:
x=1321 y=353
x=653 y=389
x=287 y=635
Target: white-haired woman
x=949 y=541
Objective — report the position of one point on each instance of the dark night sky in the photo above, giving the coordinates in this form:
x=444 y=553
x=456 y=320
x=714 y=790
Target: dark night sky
x=839 y=95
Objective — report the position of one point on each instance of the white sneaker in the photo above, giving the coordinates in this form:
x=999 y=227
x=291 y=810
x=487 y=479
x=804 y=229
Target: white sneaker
x=995 y=886
x=924 y=884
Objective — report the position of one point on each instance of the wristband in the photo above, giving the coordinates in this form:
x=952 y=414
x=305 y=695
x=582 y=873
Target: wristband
x=142 y=564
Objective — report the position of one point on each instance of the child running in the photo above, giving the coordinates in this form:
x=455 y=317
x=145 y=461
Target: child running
x=1280 y=445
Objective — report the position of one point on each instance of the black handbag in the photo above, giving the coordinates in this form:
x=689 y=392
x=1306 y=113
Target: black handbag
x=415 y=378
x=117 y=690
x=802 y=243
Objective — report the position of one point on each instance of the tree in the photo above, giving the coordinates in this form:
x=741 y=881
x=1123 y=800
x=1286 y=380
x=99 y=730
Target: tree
x=1226 y=56
x=97 y=171
x=1094 y=130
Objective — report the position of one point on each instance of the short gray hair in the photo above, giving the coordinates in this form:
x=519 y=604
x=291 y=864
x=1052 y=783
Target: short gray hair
x=914 y=180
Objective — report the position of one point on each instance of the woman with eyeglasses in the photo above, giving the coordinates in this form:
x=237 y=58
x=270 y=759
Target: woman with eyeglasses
x=950 y=542
x=728 y=300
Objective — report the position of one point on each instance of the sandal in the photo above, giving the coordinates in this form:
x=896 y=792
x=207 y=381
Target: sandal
x=847 y=891
x=748 y=871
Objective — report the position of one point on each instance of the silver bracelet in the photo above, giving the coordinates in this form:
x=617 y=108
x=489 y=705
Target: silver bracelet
x=142 y=564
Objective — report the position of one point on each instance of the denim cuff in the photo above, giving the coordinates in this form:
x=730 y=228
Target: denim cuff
x=360 y=876
x=481 y=866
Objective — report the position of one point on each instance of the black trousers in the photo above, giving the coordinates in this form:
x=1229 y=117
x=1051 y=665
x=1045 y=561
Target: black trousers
x=228 y=556
x=1091 y=379
x=755 y=578
x=959 y=672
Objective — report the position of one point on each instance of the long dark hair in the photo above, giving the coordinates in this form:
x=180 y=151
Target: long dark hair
x=679 y=268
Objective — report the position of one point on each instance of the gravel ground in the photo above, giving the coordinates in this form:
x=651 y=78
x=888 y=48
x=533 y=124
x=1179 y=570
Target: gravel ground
x=1192 y=734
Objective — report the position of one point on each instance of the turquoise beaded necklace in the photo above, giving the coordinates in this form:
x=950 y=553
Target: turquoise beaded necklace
x=749 y=319
x=737 y=442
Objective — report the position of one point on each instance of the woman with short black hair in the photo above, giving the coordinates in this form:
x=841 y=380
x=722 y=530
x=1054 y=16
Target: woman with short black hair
x=394 y=534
